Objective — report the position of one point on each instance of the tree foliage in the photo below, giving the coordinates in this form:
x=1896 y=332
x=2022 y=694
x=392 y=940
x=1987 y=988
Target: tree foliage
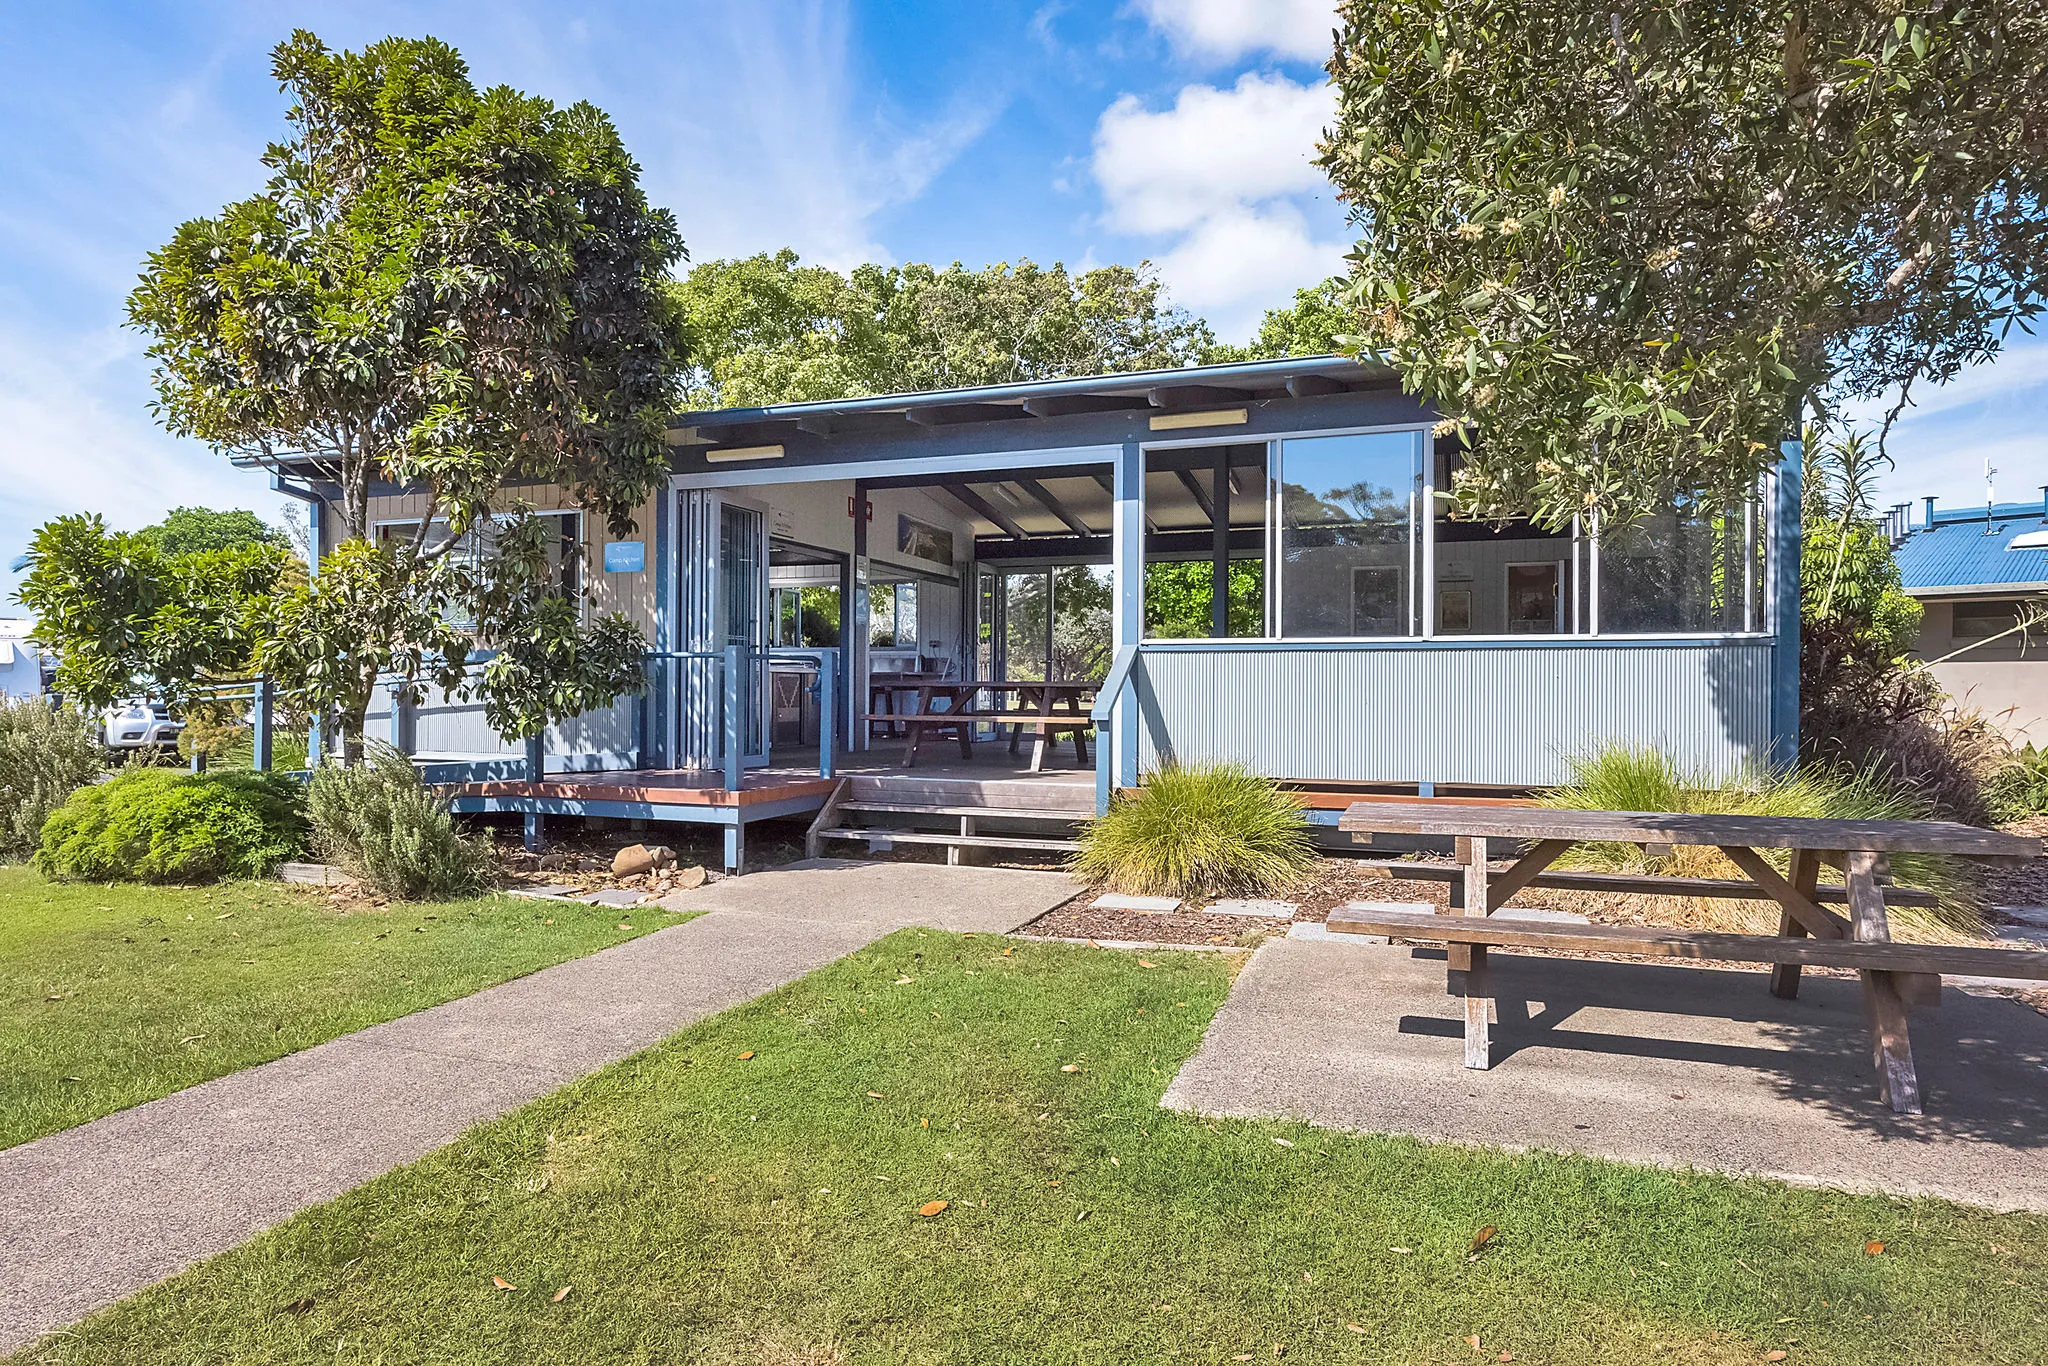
x=1620 y=240
x=445 y=288
x=1313 y=325
x=186 y=530
x=123 y=616
x=768 y=329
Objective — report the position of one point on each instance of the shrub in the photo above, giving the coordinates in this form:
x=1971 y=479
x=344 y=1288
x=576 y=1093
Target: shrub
x=160 y=825
x=2019 y=789
x=1619 y=778
x=45 y=755
x=1198 y=830
x=380 y=822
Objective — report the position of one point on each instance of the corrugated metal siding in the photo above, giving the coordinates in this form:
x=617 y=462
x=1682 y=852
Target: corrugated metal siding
x=1505 y=713
x=443 y=726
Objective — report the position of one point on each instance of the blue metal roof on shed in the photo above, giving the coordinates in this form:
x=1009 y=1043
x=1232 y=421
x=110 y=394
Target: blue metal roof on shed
x=1958 y=555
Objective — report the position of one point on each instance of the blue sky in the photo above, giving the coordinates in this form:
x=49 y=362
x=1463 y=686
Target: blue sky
x=1089 y=131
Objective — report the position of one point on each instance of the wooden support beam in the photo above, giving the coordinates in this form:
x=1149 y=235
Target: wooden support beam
x=814 y=424
x=1181 y=397
x=1891 y=1046
x=1313 y=386
x=1053 y=505
x=983 y=508
x=1201 y=495
x=952 y=414
x=1523 y=873
x=1109 y=487
x=1805 y=877
x=1820 y=922
x=1061 y=405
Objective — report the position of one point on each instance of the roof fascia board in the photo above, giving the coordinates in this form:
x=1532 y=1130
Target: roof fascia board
x=1975 y=590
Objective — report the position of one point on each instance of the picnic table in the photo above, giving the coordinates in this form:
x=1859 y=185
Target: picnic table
x=1043 y=707
x=1894 y=976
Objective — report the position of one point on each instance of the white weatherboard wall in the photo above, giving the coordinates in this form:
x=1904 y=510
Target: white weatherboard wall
x=1501 y=712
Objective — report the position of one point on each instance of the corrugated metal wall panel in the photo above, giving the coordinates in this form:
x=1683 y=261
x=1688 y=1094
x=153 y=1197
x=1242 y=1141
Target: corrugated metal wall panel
x=1507 y=713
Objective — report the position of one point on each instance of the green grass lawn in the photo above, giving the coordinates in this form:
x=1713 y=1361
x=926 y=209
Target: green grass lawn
x=113 y=995
x=750 y=1192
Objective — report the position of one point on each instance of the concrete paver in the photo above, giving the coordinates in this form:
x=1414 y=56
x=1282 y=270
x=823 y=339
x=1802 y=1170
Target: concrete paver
x=96 y=1213
x=1669 y=1065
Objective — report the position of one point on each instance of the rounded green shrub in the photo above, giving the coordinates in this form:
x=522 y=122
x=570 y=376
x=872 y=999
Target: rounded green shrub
x=380 y=822
x=1198 y=830
x=162 y=825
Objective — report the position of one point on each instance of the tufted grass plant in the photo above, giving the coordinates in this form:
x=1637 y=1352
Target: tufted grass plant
x=1625 y=778
x=1198 y=831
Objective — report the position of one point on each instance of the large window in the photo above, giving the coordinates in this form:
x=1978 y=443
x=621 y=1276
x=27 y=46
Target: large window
x=1347 y=516
x=1697 y=568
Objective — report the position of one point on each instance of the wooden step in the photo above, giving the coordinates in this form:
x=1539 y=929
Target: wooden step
x=991 y=812
x=853 y=832
x=1009 y=794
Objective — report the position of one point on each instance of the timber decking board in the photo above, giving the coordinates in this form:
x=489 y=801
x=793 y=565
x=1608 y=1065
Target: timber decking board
x=1726 y=889
x=1639 y=827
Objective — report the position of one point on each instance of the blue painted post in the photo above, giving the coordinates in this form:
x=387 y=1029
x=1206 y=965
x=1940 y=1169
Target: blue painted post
x=536 y=767
x=259 y=725
x=1784 y=581
x=398 y=698
x=734 y=751
x=1127 y=619
x=314 y=743
x=828 y=709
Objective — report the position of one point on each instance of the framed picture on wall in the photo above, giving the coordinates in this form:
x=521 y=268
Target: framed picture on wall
x=1454 y=609
x=923 y=541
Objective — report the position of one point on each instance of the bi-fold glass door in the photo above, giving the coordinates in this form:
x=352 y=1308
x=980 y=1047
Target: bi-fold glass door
x=722 y=601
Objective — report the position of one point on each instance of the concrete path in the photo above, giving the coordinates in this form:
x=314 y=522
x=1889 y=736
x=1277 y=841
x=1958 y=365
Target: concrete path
x=93 y=1214
x=1675 y=1066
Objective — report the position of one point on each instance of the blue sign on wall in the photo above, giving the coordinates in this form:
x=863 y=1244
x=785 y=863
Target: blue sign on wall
x=625 y=557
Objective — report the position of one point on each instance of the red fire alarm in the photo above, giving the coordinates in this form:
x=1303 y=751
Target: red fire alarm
x=870 y=508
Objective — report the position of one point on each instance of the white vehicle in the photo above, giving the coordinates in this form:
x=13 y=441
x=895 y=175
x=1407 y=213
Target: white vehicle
x=136 y=724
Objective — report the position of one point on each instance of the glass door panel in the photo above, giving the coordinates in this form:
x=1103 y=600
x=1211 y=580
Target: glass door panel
x=743 y=618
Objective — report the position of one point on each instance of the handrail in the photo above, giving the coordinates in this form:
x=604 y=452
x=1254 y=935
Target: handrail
x=1106 y=699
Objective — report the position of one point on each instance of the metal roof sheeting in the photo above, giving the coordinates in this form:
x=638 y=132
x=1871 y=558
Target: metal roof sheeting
x=1964 y=551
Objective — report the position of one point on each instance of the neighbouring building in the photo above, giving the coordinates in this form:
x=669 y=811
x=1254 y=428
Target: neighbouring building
x=1973 y=571
x=24 y=668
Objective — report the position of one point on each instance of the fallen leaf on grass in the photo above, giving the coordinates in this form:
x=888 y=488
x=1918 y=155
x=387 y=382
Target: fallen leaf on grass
x=1776 y=1354
x=1283 y=1142
x=559 y=1295
x=748 y=1054
x=223 y=915
x=1143 y=964
x=904 y=981
x=1473 y=1342
x=1507 y=1356
x=876 y=1095
x=1873 y=1248
x=1071 y=1067
x=1404 y=1251
x=1482 y=1238
x=192 y=1038
x=1242 y=1356
x=932 y=1207
x=299 y=1306
x=502 y=1283
x=1082 y=1215
x=1007 y=952
x=1354 y=1328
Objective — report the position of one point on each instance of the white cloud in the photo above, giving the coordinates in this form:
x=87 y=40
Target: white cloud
x=1221 y=174
x=1167 y=171
x=1225 y=30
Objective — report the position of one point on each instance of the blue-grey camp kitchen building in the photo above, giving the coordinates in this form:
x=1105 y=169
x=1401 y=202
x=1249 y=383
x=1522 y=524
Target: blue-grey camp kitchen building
x=1331 y=622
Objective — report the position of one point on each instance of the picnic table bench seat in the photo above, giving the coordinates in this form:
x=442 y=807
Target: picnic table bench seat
x=1895 y=976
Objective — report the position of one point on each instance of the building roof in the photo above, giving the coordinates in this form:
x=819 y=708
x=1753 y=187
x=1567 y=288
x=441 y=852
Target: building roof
x=1195 y=386
x=1965 y=552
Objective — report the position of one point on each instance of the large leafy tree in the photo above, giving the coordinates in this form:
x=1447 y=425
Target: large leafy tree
x=1622 y=240
x=768 y=329
x=185 y=530
x=444 y=288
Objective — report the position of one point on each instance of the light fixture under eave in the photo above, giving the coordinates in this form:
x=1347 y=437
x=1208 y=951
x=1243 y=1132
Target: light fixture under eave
x=1216 y=417
x=744 y=453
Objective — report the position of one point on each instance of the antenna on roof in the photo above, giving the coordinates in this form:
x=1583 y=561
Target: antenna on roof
x=1989 y=470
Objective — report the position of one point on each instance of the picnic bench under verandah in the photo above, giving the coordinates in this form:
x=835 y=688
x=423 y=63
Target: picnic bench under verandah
x=1047 y=709
x=1896 y=977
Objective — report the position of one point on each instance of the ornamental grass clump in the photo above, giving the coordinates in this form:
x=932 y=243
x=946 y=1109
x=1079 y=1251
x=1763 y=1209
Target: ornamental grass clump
x=46 y=754
x=161 y=825
x=379 y=821
x=1198 y=831
x=1623 y=778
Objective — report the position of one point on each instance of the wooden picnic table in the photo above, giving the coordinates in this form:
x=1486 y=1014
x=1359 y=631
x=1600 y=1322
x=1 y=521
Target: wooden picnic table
x=1045 y=707
x=1894 y=976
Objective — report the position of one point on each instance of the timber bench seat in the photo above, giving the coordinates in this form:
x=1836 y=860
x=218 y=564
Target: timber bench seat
x=1894 y=976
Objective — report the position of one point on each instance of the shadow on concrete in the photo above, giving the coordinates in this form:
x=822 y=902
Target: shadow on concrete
x=1982 y=1061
